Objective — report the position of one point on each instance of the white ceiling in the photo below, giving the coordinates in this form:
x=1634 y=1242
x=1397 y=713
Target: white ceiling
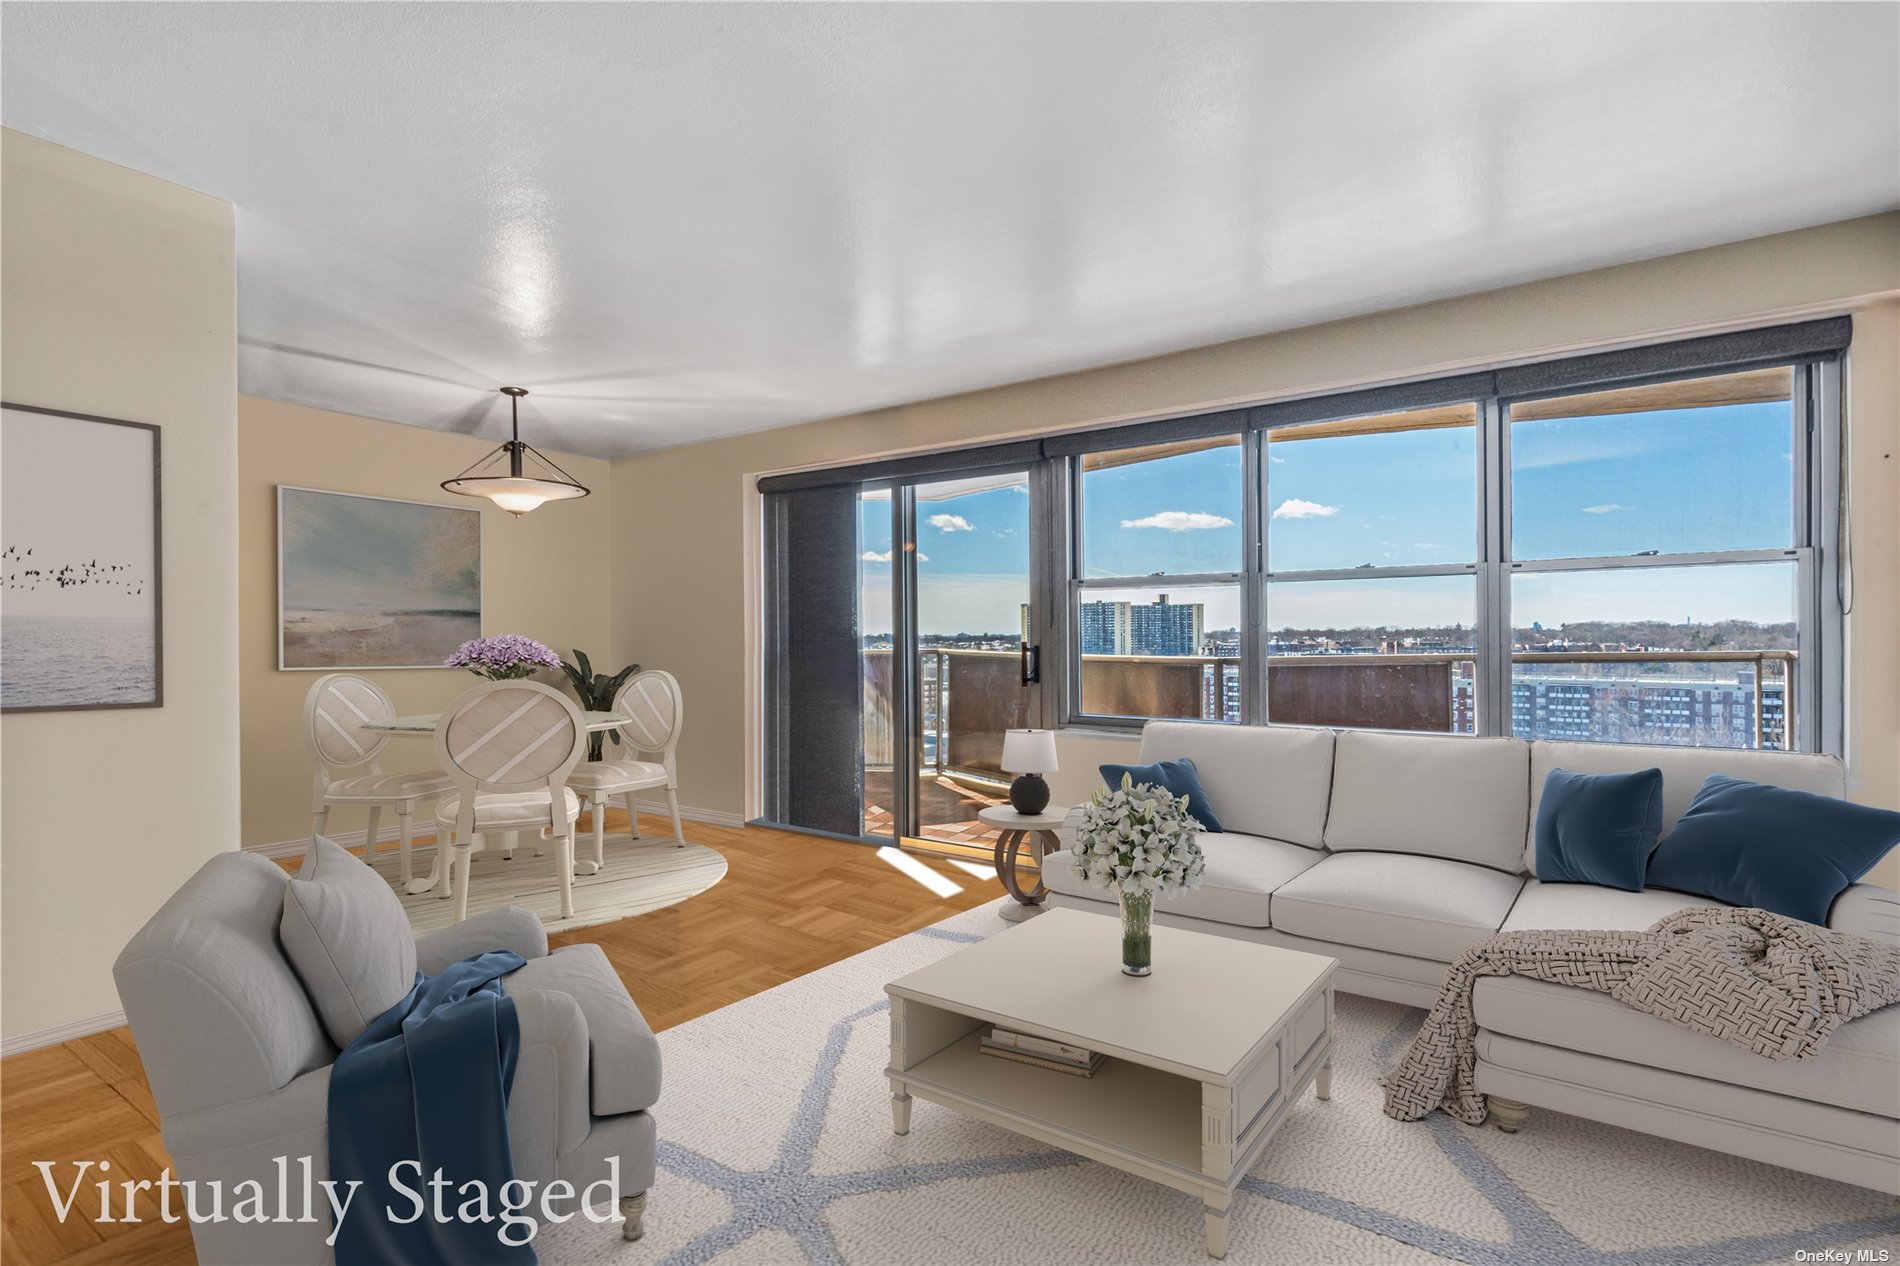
x=681 y=222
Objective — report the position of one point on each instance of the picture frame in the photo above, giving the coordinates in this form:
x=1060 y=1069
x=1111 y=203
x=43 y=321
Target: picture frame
x=367 y=582
x=83 y=571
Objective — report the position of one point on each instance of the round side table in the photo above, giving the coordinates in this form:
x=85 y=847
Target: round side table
x=1013 y=828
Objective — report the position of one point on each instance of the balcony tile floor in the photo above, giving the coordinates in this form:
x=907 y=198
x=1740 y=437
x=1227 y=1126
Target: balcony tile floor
x=949 y=811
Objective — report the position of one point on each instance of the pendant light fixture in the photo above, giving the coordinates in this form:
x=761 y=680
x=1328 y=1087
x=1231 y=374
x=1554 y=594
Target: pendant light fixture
x=523 y=488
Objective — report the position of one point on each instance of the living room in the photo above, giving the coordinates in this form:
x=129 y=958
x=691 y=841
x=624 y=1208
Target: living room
x=597 y=543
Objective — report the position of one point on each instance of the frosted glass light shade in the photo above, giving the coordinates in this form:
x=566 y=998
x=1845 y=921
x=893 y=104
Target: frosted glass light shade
x=1029 y=751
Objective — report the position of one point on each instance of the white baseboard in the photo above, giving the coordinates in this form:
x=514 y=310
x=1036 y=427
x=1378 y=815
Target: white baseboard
x=711 y=817
x=61 y=1033
x=356 y=839
x=348 y=839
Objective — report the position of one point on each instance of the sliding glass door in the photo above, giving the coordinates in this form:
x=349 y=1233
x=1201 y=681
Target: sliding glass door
x=948 y=656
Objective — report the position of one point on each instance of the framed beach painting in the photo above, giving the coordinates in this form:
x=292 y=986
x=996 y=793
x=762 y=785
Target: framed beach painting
x=80 y=617
x=372 y=582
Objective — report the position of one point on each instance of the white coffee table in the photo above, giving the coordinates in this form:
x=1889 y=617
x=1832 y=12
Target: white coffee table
x=1206 y=1055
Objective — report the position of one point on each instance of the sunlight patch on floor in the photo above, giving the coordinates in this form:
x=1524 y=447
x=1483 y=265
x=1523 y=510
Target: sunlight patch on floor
x=918 y=871
x=972 y=868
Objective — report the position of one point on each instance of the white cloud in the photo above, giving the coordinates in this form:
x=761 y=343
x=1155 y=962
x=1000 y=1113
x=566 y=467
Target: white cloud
x=1181 y=521
x=872 y=556
x=1294 y=508
x=1276 y=459
x=950 y=523
x=1423 y=545
x=1608 y=507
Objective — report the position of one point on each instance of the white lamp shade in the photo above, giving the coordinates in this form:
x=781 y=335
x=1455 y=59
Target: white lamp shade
x=1029 y=751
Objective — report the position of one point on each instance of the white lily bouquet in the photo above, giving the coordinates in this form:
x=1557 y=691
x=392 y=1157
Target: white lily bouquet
x=1138 y=841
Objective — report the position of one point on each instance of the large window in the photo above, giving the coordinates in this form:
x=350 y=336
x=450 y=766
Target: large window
x=1157 y=595
x=1657 y=552
x=1639 y=561
x=1372 y=600
x=1636 y=546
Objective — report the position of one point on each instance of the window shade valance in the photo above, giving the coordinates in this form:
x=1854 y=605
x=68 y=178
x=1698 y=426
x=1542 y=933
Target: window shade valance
x=1739 y=350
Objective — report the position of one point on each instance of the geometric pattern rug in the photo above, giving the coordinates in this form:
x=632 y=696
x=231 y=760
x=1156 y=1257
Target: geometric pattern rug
x=776 y=1147
x=638 y=876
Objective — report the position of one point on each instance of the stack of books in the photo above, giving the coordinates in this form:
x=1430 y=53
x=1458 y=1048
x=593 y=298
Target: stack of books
x=1042 y=1052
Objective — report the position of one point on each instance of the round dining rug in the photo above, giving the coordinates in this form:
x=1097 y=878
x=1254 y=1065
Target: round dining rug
x=639 y=875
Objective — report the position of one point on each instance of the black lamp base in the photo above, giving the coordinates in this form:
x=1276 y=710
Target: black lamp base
x=1029 y=794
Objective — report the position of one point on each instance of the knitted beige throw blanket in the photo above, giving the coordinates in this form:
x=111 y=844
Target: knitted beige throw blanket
x=1765 y=982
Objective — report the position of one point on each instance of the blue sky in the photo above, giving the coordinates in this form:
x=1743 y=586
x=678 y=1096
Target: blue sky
x=1682 y=480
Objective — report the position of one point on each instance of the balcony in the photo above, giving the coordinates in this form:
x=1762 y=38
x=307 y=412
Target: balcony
x=1736 y=699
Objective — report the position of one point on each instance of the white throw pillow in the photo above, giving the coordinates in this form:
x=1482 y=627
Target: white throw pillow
x=347 y=936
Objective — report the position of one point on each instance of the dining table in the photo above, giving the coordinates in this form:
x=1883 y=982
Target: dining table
x=423 y=725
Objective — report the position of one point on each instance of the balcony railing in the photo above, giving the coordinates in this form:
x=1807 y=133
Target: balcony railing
x=971 y=696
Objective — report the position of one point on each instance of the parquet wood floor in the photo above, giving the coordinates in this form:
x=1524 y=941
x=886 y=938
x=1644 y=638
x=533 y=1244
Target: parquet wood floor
x=789 y=904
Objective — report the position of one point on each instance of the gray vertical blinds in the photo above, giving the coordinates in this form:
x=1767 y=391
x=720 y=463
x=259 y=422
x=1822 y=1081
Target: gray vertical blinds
x=814 y=693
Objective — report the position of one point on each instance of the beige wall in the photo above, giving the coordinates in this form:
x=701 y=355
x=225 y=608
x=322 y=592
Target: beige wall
x=686 y=521
x=118 y=298
x=1873 y=621
x=544 y=575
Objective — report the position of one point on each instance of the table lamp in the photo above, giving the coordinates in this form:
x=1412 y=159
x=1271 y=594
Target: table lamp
x=1029 y=754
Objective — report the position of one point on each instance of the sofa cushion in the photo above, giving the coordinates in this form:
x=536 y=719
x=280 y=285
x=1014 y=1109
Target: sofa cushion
x=1683 y=768
x=1859 y=1068
x=1792 y=852
x=1266 y=780
x=1424 y=907
x=623 y=1054
x=1868 y=910
x=1464 y=799
x=1177 y=777
x=346 y=935
x=1598 y=828
x=1543 y=907
x=1242 y=871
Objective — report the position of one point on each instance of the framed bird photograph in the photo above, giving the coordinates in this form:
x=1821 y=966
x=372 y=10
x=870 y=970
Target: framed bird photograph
x=80 y=611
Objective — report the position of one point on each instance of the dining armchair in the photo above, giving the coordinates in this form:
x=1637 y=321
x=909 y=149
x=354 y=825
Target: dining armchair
x=509 y=747
x=335 y=711
x=654 y=711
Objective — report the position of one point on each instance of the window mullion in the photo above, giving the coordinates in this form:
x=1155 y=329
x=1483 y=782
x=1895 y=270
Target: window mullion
x=1253 y=596
x=1494 y=596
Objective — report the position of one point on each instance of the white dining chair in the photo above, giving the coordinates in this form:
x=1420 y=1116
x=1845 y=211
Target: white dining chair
x=655 y=710
x=509 y=746
x=335 y=711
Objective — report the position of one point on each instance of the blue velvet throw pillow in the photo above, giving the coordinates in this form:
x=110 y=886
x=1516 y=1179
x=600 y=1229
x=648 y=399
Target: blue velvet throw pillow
x=1178 y=776
x=1787 y=851
x=1598 y=828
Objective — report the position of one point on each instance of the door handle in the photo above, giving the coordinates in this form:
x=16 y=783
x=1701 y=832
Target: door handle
x=1032 y=664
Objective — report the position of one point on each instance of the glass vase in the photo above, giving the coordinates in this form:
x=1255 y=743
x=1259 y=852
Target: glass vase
x=1137 y=935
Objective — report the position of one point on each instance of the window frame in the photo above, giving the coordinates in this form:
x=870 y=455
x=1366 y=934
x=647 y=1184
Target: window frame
x=1816 y=402
x=1069 y=474
x=1816 y=470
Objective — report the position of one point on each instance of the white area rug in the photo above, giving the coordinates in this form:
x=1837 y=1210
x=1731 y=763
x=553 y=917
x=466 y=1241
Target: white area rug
x=776 y=1147
x=640 y=875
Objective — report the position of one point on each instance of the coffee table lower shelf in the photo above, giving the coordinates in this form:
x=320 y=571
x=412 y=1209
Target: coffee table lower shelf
x=1164 y=1126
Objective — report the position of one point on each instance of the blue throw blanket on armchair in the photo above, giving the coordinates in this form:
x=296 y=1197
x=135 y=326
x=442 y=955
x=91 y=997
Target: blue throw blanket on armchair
x=428 y=1082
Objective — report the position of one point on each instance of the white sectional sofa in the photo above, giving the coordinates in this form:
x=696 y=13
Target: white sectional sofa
x=1394 y=853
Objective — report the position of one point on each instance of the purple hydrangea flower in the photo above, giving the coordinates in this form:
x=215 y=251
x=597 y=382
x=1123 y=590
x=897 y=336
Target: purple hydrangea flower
x=503 y=658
